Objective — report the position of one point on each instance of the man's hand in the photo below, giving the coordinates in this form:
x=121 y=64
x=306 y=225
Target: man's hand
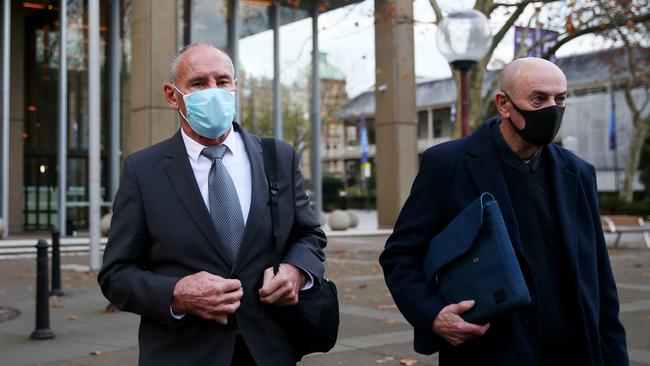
x=282 y=288
x=206 y=295
x=449 y=325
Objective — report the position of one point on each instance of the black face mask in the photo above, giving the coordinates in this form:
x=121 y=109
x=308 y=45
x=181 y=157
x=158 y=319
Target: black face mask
x=541 y=124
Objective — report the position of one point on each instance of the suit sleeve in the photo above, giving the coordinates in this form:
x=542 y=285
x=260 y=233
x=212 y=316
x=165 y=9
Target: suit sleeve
x=405 y=249
x=306 y=239
x=124 y=278
x=612 y=333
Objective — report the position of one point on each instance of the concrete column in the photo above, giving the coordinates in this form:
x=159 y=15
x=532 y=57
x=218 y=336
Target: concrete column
x=154 y=40
x=395 y=116
x=16 y=120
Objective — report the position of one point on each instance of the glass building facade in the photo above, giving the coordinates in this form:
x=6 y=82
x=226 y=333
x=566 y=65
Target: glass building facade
x=239 y=27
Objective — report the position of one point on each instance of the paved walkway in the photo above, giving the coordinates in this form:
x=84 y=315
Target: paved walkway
x=372 y=330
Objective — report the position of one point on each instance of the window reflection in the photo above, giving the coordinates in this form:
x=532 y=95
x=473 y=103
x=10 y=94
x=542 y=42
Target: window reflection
x=42 y=56
x=208 y=20
x=256 y=69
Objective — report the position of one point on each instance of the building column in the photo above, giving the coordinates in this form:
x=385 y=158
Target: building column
x=17 y=120
x=315 y=122
x=114 y=67
x=154 y=41
x=395 y=116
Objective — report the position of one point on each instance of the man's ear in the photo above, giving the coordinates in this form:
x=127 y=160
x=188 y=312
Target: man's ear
x=502 y=103
x=171 y=95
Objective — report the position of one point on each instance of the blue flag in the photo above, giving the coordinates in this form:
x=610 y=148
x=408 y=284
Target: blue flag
x=612 y=123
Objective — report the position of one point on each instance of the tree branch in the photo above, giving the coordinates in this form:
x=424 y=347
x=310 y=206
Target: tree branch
x=496 y=39
x=509 y=5
x=593 y=29
x=436 y=10
x=498 y=36
x=522 y=45
x=505 y=5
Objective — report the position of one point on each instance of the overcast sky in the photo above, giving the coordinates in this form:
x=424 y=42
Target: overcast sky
x=347 y=35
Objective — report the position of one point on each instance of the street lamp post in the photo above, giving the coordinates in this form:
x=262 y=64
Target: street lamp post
x=463 y=38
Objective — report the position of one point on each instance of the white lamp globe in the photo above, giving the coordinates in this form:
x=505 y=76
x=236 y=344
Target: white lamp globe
x=464 y=37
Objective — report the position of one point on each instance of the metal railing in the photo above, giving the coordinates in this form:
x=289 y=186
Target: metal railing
x=24 y=248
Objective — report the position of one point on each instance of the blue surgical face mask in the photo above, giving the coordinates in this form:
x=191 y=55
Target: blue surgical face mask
x=210 y=112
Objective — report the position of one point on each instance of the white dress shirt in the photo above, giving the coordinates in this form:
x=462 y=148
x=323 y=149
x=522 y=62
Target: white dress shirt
x=236 y=162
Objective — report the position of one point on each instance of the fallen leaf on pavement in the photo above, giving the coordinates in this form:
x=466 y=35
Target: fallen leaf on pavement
x=72 y=317
x=349 y=296
x=407 y=362
x=384 y=359
x=363 y=285
x=110 y=308
x=387 y=321
x=96 y=353
x=386 y=306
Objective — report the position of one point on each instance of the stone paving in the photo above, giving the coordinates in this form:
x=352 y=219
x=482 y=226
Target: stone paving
x=372 y=331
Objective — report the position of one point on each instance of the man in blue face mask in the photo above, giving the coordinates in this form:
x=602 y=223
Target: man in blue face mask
x=548 y=199
x=191 y=249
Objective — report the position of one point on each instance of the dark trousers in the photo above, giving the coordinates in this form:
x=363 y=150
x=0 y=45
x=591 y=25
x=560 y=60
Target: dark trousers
x=242 y=356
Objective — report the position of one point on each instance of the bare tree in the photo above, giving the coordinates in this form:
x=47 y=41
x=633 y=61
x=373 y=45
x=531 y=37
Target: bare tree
x=572 y=19
x=633 y=73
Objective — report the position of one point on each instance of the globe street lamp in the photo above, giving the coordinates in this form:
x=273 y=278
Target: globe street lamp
x=463 y=38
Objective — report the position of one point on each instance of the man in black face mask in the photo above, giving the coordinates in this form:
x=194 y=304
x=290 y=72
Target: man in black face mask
x=548 y=199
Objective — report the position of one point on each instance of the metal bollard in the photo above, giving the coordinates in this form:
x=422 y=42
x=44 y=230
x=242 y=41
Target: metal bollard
x=56 y=263
x=42 y=330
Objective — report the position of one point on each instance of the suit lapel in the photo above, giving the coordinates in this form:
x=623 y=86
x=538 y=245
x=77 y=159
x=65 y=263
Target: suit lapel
x=182 y=178
x=485 y=169
x=565 y=186
x=259 y=192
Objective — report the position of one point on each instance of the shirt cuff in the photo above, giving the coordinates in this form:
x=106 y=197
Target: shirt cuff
x=174 y=315
x=310 y=279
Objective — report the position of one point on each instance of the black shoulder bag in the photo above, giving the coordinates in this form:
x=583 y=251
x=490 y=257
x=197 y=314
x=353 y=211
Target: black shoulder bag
x=312 y=324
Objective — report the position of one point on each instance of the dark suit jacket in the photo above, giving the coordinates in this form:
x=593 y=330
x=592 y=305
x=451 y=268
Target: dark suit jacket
x=451 y=176
x=161 y=231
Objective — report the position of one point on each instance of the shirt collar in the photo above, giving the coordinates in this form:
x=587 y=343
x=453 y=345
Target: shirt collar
x=194 y=148
x=508 y=156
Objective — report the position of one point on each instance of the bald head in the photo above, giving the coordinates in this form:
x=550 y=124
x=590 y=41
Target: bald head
x=177 y=62
x=522 y=75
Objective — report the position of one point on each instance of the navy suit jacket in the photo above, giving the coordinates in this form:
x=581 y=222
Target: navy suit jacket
x=451 y=176
x=161 y=231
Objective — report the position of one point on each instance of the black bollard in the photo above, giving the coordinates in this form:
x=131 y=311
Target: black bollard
x=56 y=263
x=42 y=330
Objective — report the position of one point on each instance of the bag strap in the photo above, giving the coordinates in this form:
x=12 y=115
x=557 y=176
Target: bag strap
x=270 y=158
